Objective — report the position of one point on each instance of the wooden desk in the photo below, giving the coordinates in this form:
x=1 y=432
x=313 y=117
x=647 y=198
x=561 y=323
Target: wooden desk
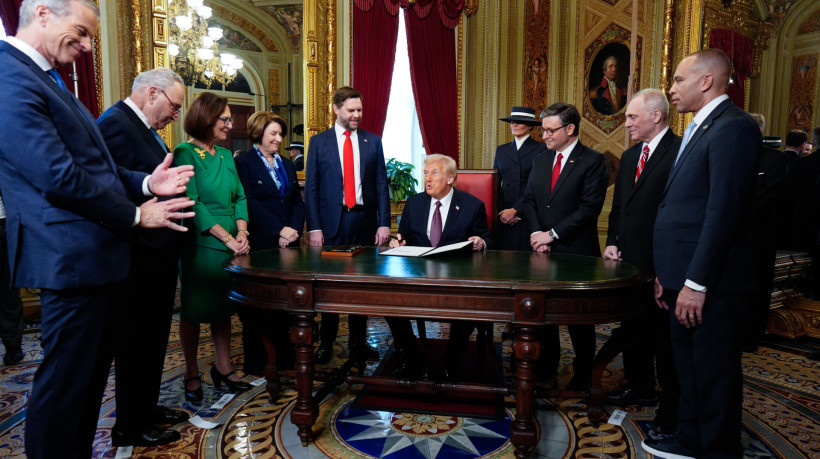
x=529 y=290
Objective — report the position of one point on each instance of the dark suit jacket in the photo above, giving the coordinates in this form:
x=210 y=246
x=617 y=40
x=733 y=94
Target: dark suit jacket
x=572 y=208
x=698 y=231
x=299 y=163
x=635 y=204
x=804 y=182
x=133 y=146
x=68 y=209
x=466 y=217
x=324 y=184
x=268 y=210
x=514 y=168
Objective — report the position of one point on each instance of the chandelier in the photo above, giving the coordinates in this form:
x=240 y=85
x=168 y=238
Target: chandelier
x=193 y=46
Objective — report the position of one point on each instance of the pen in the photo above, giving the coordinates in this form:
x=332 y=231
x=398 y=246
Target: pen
x=390 y=236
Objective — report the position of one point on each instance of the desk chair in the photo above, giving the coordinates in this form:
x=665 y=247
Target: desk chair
x=483 y=184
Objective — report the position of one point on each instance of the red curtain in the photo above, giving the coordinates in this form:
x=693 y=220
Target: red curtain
x=87 y=84
x=432 y=50
x=740 y=50
x=374 y=50
x=9 y=13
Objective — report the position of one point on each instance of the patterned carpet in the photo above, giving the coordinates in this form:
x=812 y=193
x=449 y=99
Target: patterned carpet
x=781 y=414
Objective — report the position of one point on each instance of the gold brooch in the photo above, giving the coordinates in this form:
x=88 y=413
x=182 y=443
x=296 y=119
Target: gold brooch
x=200 y=152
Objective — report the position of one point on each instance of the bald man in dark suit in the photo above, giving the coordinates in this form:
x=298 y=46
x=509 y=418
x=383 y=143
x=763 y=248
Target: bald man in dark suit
x=704 y=258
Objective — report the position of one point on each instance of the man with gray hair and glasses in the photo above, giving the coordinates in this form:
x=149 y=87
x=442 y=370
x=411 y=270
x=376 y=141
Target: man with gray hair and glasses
x=130 y=128
x=69 y=213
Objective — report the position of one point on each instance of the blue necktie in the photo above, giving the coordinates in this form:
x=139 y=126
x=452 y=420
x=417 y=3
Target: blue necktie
x=686 y=136
x=280 y=172
x=159 y=139
x=56 y=75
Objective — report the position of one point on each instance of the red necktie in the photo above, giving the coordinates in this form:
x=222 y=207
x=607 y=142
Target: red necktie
x=556 y=171
x=349 y=173
x=642 y=162
x=435 y=226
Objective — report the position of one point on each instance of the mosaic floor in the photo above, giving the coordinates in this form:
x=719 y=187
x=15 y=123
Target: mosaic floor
x=781 y=415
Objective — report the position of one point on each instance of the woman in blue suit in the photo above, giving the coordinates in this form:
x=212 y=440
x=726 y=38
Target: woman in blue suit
x=276 y=218
x=275 y=206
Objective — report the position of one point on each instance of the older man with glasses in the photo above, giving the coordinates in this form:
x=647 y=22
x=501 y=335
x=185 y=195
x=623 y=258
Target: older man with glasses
x=130 y=128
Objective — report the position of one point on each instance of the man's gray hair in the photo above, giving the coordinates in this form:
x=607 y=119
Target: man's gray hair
x=654 y=99
x=60 y=8
x=162 y=78
x=449 y=163
x=606 y=62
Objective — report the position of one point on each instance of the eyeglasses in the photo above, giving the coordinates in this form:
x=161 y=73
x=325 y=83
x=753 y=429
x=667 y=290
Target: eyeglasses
x=549 y=132
x=174 y=107
x=226 y=119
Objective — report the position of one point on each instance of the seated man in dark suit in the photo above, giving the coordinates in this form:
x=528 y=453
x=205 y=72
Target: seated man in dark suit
x=440 y=216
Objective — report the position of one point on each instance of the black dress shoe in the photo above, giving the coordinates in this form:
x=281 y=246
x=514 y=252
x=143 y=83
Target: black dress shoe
x=13 y=358
x=168 y=416
x=364 y=350
x=193 y=395
x=234 y=386
x=632 y=397
x=152 y=436
x=324 y=353
x=665 y=422
x=668 y=448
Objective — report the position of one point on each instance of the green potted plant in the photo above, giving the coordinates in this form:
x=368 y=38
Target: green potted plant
x=402 y=185
x=400 y=180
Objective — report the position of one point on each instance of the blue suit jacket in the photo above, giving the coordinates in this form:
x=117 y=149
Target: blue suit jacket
x=134 y=147
x=68 y=212
x=698 y=235
x=466 y=217
x=324 y=184
x=268 y=210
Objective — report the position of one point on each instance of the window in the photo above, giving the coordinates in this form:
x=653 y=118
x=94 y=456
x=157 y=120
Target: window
x=402 y=136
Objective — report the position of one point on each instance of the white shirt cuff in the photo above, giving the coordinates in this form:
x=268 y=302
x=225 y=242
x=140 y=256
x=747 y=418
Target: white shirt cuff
x=695 y=286
x=145 y=190
x=137 y=217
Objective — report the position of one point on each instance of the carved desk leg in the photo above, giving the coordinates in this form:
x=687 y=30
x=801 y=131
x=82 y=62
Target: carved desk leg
x=523 y=434
x=306 y=411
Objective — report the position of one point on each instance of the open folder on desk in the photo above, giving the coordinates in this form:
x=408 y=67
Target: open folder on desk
x=416 y=251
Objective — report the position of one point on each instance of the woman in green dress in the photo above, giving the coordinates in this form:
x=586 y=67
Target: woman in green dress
x=218 y=231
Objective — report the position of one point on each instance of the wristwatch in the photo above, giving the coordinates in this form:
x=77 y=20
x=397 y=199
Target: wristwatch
x=553 y=234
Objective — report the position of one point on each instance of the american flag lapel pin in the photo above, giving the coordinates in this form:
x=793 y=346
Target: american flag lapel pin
x=572 y=161
x=458 y=208
x=365 y=140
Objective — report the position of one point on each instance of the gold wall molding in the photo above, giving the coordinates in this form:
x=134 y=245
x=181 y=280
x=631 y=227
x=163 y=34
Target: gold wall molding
x=319 y=38
x=666 y=46
x=98 y=70
x=242 y=22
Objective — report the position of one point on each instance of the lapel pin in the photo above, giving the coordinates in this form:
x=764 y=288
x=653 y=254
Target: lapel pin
x=365 y=140
x=706 y=127
x=572 y=161
x=258 y=182
x=458 y=208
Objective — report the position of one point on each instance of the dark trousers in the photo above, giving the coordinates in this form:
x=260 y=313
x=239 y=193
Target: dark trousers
x=707 y=360
x=583 y=343
x=648 y=348
x=145 y=325
x=758 y=315
x=78 y=336
x=352 y=230
x=11 y=308
x=276 y=325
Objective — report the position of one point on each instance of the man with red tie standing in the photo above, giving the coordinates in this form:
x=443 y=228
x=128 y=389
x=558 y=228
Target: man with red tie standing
x=639 y=185
x=565 y=194
x=346 y=200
